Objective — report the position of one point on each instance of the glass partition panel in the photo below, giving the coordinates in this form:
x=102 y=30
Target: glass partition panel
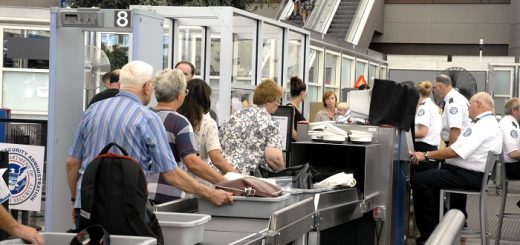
x=241 y=99
x=316 y=61
x=294 y=57
x=360 y=70
x=215 y=61
x=115 y=46
x=372 y=74
x=500 y=82
x=346 y=72
x=189 y=39
x=331 y=69
x=17 y=54
x=313 y=95
x=244 y=32
x=271 y=54
x=25 y=91
x=382 y=73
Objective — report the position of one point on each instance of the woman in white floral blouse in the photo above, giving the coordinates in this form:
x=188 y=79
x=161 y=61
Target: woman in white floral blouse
x=250 y=137
x=196 y=107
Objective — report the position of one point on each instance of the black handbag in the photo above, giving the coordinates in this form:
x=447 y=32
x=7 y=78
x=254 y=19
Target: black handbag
x=93 y=234
x=302 y=175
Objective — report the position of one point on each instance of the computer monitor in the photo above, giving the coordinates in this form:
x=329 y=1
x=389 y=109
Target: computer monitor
x=359 y=103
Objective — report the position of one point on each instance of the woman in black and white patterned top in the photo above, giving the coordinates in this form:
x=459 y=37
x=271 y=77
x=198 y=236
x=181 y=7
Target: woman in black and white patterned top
x=250 y=137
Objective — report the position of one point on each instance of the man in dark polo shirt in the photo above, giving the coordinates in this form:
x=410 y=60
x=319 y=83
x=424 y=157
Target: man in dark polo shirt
x=111 y=82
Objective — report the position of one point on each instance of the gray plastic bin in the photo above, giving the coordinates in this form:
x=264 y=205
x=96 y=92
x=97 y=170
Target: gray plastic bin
x=56 y=238
x=182 y=228
x=246 y=207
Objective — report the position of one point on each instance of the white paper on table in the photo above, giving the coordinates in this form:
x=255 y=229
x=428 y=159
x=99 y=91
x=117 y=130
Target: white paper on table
x=5 y=194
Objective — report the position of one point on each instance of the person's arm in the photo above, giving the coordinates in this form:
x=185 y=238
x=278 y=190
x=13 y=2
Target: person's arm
x=442 y=154
x=183 y=181
x=15 y=229
x=514 y=154
x=73 y=166
x=218 y=160
x=202 y=169
x=421 y=131
x=274 y=158
x=454 y=135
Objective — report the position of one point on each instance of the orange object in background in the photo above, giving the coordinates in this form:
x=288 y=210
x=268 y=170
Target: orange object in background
x=360 y=81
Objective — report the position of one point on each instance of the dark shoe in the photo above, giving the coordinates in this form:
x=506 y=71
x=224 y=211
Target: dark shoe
x=422 y=239
x=518 y=204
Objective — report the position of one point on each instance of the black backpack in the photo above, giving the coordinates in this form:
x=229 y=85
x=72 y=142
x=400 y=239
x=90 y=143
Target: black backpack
x=114 y=194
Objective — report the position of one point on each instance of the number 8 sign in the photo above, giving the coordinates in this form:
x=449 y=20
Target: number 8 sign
x=122 y=18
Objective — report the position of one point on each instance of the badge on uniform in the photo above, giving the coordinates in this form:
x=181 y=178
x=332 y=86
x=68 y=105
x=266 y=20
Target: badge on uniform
x=450 y=100
x=420 y=112
x=467 y=132
x=514 y=134
x=454 y=110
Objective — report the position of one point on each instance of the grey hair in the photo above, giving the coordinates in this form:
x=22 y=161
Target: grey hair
x=444 y=79
x=135 y=74
x=168 y=84
x=485 y=98
x=512 y=104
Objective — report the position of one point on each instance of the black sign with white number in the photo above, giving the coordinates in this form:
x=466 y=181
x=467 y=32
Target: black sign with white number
x=123 y=18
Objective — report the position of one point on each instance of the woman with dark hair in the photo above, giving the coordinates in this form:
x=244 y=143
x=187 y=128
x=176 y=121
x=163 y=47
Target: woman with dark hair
x=195 y=107
x=298 y=94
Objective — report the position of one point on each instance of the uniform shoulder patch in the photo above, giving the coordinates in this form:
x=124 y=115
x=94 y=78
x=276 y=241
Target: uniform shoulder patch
x=420 y=112
x=454 y=110
x=467 y=132
x=450 y=100
x=514 y=134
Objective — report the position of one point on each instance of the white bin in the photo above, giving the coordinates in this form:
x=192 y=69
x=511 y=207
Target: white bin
x=56 y=238
x=245 y=207
x=182 y=228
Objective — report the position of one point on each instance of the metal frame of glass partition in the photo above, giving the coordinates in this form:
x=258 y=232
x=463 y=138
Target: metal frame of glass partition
x=233 y=50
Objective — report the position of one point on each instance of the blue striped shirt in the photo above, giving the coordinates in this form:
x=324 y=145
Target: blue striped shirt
x=123 y=120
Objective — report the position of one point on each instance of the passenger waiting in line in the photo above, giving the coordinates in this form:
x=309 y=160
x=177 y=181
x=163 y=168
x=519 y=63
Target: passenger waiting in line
x=15 y=229
x=111 y=83
x=329 y=112
x=298 y=94
x=189 y=71
x=170 y=92
x=428 y=124
x=455 y=109
x=465 y=163
x=511 y=132
x=250 y=137
x=195 y=108
x=124 y=120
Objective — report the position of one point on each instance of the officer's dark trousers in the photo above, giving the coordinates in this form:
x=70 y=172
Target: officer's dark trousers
x=426 y=190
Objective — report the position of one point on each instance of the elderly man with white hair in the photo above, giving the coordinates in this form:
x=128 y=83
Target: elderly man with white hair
x=465 y=162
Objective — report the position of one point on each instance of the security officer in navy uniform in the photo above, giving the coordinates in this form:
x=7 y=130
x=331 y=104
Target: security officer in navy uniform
x=465 y=163
x=455 y=111
x=510 y=133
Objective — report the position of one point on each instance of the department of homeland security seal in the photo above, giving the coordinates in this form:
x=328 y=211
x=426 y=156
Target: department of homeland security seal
x=454 y=110
x=467 y=132
x=420 y=112
x=514 y=134
x=24 y=181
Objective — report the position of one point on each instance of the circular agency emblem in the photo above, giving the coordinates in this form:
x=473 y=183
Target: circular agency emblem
x=454 y=110
x=514 y=134
x=467 y=132
x=420 y=112
x=24 y=178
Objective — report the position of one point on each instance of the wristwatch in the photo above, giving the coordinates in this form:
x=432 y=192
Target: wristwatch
x=426 y=156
